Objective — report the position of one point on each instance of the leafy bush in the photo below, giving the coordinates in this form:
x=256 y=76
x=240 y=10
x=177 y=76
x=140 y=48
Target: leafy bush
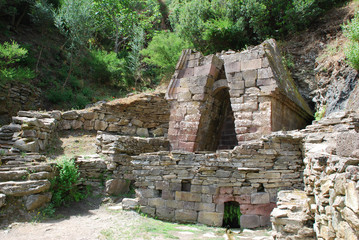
x=10 y=56
x=351 y=31
x=214 y=25
x=164 y=51
x=63 y=186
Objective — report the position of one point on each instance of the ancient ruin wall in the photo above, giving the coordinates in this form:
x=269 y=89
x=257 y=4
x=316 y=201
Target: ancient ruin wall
x=329 y=206
x=258 y=88
x=193 y=187
x=144 y=115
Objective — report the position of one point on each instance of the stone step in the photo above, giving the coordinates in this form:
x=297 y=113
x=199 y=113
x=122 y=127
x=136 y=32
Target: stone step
x=13 y=175
x=24 y=188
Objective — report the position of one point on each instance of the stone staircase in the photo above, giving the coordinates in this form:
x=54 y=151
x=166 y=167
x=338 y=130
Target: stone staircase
x=24 y=185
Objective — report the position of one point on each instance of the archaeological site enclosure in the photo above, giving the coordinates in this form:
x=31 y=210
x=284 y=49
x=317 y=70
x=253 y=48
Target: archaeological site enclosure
x=231 y=130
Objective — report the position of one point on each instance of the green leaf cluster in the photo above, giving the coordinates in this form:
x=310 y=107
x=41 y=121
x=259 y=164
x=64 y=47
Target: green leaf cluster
x=64 y=185
x=215 y=25
x=164 y=51
x=351 y=31
x=11 y=54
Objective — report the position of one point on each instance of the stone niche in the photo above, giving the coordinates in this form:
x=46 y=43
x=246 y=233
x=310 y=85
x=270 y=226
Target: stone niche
x=220 y=101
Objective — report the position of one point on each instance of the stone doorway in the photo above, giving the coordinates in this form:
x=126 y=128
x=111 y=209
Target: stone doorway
x=232 y=215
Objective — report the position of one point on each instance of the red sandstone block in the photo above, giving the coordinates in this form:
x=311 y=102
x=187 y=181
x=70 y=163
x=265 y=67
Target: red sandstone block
x=257 y=209
x=243 y=199
x=193 y=118
x=172 y=132
x=186 y=146
x=189 y=131
x=226 y=190
x=222 y=198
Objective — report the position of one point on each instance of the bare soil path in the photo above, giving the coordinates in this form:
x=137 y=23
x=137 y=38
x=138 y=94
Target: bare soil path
x=89 y=220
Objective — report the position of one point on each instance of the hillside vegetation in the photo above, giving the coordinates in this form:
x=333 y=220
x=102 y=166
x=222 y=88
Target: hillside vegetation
x=82 y=51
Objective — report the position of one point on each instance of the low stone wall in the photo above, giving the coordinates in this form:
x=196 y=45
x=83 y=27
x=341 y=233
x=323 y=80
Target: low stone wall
x=143 y=115
x=110 y=144
x=24 y=186
x=193 y=187
x=331 y=178
x=15 y=97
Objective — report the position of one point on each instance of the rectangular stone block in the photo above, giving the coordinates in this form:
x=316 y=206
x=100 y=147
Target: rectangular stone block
x=174 y=204
x=265 y=73
x=188 y=196
x=185 y=216
x=206 y=207
x=237 y=85
x=251 y=64
x=260 y=198
x=232 y=67
x=257 y=209
x=148 y=210
x=250 y=221
x=165 y=213
x=185 y=73
x=156 y=202
x=211 y=218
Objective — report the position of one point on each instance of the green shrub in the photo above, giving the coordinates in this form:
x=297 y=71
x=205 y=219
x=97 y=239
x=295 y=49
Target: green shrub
x=351 y=31
x=63 y=186
x=164 y=51
x=214 y=25
x=10 y=70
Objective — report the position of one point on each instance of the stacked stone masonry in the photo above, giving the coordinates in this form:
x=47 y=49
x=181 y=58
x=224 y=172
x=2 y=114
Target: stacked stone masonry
x=24 y=186
x=15 y=97
x=331 y=176
x=250 y=175
x=253 y=86
x=144 y=115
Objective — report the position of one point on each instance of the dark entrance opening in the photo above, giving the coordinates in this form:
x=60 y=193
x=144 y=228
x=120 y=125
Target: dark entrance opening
x=232 y=215
x=216 y=130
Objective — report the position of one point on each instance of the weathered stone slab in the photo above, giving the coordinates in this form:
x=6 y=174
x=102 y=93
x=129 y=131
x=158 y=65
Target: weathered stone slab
x=19 y=189
x=185 y=216
x=130 y=203
x=36 y=201
x=210 y=218
x=260 y=198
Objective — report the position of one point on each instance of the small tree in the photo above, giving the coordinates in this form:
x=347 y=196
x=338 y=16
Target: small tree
x=10 y=56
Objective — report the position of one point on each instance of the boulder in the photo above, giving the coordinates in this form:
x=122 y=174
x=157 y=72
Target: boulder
x=130 y=203
x=117 y=186
x=38 y=200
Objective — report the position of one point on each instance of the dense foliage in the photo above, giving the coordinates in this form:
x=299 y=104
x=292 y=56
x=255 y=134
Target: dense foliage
x=222 y=24
x=351 y=31
x=110 y=45
x=11 y=55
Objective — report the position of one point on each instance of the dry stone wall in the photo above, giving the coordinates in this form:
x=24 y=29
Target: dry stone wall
x=331 y=196
x=24 y=186
x=144 y=115
x=193 y=187
x=15 y=97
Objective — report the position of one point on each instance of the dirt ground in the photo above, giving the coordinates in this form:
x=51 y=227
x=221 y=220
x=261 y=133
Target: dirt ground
x=90 y=220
